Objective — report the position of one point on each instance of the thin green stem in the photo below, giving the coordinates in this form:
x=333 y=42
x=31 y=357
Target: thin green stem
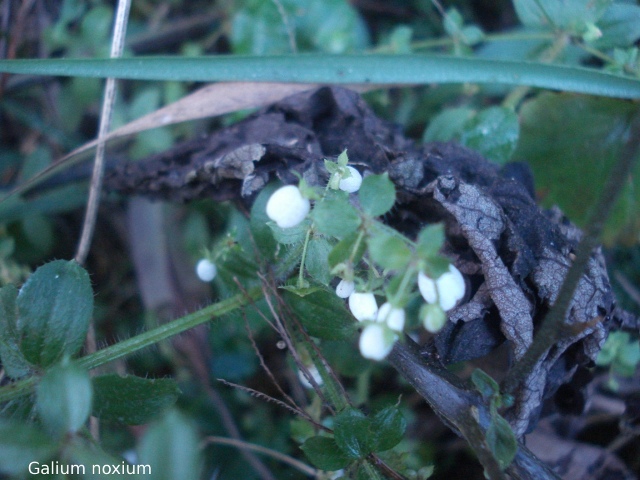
x=146 y=339
x=301 y=283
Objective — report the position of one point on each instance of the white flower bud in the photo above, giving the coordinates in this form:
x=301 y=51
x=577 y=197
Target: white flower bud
x=287 y=207
x=393 y=317
x=345 y=288
x=313 y=371
x=352 y=183
x=447 y=290
x=363 y=306
x=376 y=341
x=206 y=270
x=433 y=318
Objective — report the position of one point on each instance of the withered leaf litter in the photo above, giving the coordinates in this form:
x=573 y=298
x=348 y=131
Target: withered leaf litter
x=513 y=254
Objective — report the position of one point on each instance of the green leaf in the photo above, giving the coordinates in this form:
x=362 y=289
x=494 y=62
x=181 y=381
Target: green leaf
x=377 y=194
x=132 y=400
x=387 y=428
x=571 y=143
x=389 y=251
x=343 y=250
x=55 y=306
x=486 y=385
x=567 y=15
x=620 y=26
x=447 y=125
x=501 y=440
x=338 y=69
x=317 y=261
x=493 y=132
x=323 y=314
x=352 y=432
x=170 y=447
x=430 y=240
x=99 y=465
x=261 y=232
x=63 y=398
x=21 y=444
x=325 y=454
x=335 y=216
x=13 y=362
x=290 y=236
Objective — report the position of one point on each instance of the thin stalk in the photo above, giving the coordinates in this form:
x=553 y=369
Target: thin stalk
x=304 y=257
x=146 y=339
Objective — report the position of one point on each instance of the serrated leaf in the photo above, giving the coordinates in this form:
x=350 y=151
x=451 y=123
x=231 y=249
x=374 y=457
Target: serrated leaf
x=323 y=314
x=324 y=453
x=171 y=447
x=343 y=250
x=13 y=361
x=486 y=385
x=501 y=441
x=571 y=143
x=54 y=309
x=493 y=132
x=387 y=428
x=377 y=194
x=21 y=444
x=352 y=432
x=317 y=261
x=389 y=251
x=132 y=400
x=63 y=398
x=335 y=216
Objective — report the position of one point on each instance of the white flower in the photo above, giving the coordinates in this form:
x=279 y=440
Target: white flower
x=345 y=288
x=315 y=374
x=206 y=270
x=448 y=289
x=352 y=183
x=376 y=341
x=433 y=318
x=287 y=207
x=393 y=317
x=363 y=306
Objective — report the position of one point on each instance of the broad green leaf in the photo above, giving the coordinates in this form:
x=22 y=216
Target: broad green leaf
x=261 y=232
x=343 y=251
x=170 y=447
x=387 y=428
x=501 y=440
x=63 y=398
x=21 y=444
x=567 y=15
x=493 y=132
x=352 y=432
x=132 y=400
x=389 y=251
x=620 y=26
x=486 y=385
x=377 y=194
x=447 y=125
x=325 y=454
x=54 y=309
x=323 y=314
x=430 y=240
x=571 y=143
x=335 y=216
x=290 y=236
x=317 y=261
x=13 y=362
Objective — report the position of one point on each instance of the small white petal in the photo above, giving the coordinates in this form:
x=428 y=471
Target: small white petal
x=375 y=343
x=345 y=288
x=427 y=288
x=394 y=317
x=351 y=184
x=451 y=288
x=206 y=270
x=433 y=318
x=287 y=207
x=314 y=373
x=363 y=306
